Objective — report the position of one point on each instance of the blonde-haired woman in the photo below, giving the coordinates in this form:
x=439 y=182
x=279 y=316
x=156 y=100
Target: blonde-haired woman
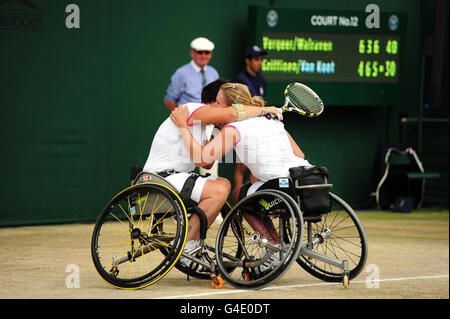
x=233 y=93
x=262 y=145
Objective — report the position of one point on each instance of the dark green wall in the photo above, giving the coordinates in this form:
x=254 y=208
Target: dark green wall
x=81 y=106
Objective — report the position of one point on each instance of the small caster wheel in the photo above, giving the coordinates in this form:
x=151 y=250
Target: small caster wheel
x=246 y=276
x=217 y=282
x=345 y=281
x=114 y=271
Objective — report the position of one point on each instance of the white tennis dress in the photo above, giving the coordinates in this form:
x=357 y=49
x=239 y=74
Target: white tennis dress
x=265 y=149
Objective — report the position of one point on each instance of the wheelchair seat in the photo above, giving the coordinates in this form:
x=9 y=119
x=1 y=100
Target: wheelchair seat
x=284 y=184
x=138 y=175
x=269 y=206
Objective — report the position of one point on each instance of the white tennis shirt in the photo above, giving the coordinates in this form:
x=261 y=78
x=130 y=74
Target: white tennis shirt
x=168 y=151
x=265 y=148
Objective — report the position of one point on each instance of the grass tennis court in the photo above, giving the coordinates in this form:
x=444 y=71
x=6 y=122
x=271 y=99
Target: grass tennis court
x=408 y=258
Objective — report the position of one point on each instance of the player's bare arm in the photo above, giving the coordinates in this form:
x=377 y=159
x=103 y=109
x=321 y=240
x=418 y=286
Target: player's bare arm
x=224 y=115
x=297 y=151
x=211 y=152
x=239 y=172
x=170 y=105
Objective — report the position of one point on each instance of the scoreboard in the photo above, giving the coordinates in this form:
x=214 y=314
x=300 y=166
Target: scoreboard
x=346 y=59
x=330 y=57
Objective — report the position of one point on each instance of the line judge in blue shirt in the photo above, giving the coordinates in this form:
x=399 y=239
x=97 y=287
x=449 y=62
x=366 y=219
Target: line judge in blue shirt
x=187 y=82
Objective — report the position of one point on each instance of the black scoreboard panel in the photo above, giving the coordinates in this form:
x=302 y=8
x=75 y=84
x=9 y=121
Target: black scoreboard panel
x=334 y=52
x=330 y=57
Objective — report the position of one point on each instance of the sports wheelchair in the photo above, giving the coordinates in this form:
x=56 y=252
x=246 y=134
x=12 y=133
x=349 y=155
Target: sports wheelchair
x=327 y=240
x=140 y=236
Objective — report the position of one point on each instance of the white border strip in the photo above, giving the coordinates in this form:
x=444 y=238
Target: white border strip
x=215 y=293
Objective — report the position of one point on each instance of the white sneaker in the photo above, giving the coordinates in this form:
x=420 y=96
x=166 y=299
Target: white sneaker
x=186 y=262
x=273 y=261
x=191 y=245
x=269 y=264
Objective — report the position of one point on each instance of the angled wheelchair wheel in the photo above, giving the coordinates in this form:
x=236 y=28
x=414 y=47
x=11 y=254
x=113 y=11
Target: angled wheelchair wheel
x=209 y=245
x=338 y=235
x=132 y=229
x=256 y=227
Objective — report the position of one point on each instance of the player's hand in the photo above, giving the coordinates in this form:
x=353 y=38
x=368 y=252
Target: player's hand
x=275 y=111
x=180 y=115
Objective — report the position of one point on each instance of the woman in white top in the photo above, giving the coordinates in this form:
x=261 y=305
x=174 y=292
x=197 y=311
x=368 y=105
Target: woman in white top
x=262 y=145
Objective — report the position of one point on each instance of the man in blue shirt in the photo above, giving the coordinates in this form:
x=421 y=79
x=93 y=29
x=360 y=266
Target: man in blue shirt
x=251 y=76
x=187 y=82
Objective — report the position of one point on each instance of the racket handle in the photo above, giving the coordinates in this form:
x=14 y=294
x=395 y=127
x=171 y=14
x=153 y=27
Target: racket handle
x=270 y=116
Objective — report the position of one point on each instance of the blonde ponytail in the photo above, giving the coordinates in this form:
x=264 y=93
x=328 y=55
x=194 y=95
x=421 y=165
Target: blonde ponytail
x=236 y=93
x=258 y=101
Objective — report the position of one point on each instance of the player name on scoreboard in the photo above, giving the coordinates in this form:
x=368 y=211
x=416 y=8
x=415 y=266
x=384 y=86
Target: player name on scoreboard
x=339 y=57
x=298 y=67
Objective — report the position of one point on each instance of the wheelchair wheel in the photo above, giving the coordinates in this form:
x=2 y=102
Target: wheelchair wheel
x=267 y=253
x=338 y=235
x=131 y=230
x=209 y=245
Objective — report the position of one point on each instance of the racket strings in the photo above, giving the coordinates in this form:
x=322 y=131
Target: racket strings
x=304 y=99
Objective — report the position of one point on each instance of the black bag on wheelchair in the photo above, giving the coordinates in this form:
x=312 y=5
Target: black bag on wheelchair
x=311 y=185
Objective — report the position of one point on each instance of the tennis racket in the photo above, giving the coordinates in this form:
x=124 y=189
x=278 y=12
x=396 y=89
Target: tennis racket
x=301 y=99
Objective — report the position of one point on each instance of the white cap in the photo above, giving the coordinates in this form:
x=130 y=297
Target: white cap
x=202 y=44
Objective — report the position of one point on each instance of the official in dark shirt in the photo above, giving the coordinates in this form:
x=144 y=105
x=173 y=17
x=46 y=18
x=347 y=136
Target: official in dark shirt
x=251 y=75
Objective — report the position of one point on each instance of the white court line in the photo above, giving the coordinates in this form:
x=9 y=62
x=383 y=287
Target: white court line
x=215 y=293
